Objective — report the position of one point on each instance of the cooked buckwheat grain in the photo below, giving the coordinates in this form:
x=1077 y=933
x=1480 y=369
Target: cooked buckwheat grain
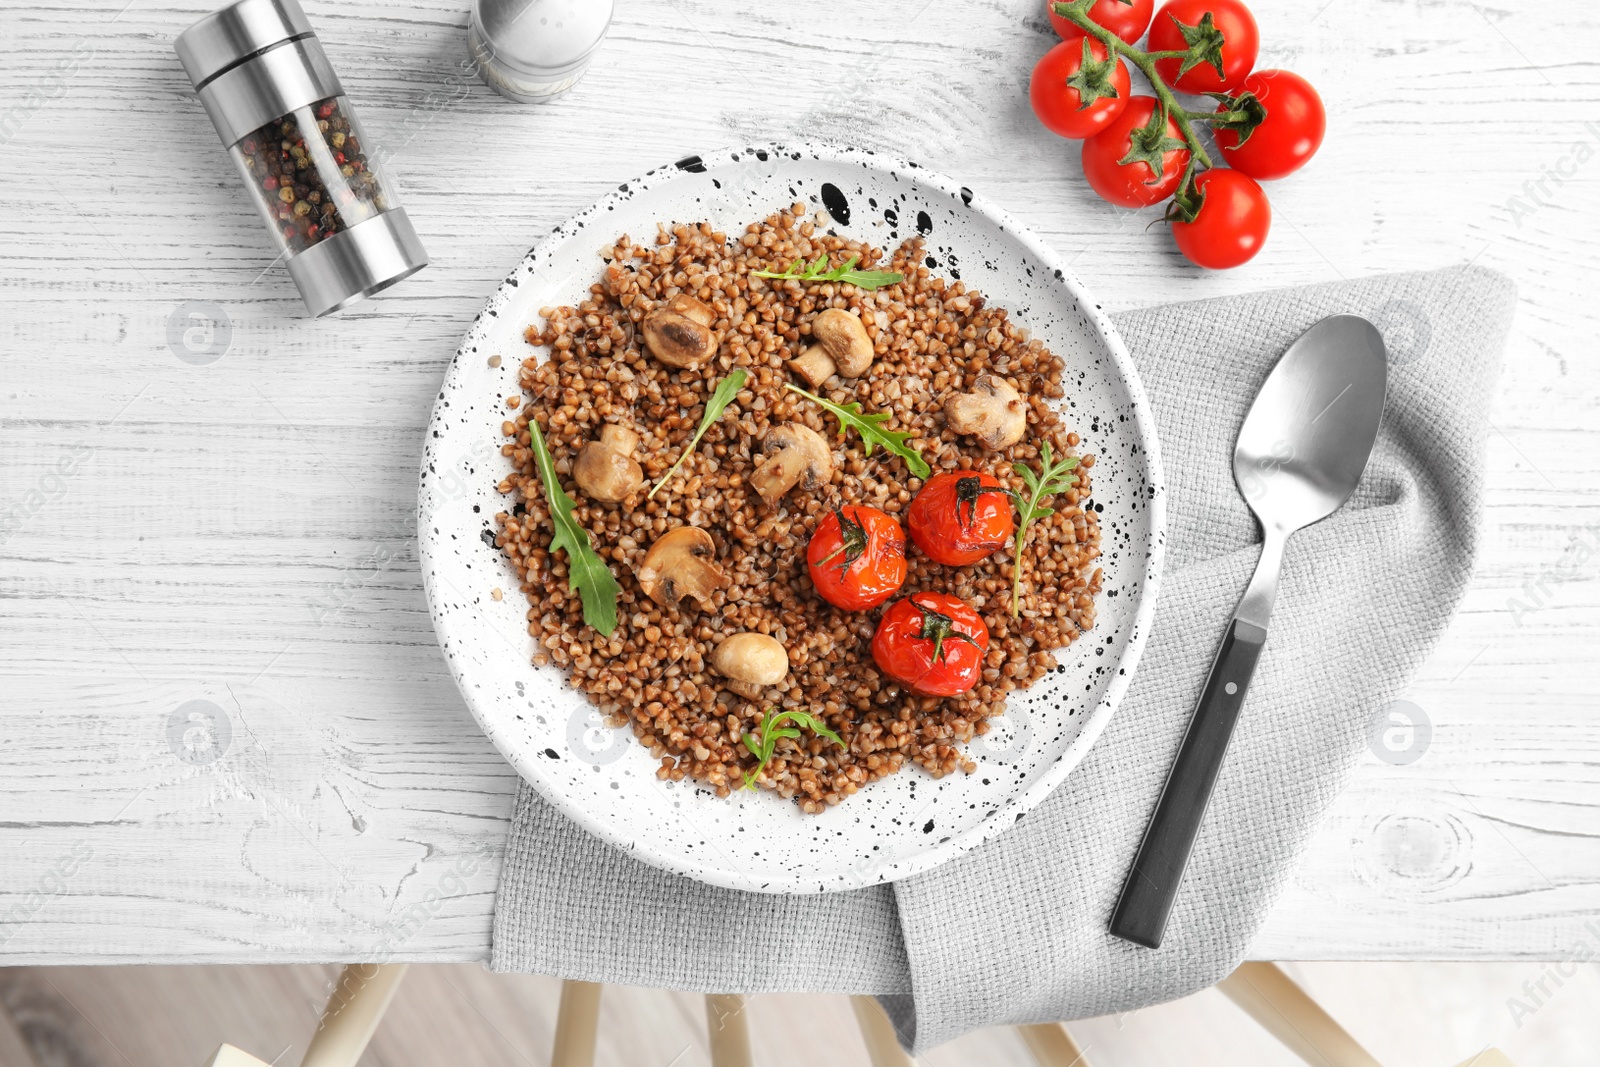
x=932 y=337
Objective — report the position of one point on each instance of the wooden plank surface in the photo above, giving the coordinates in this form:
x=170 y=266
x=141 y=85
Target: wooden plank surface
x=238 y=532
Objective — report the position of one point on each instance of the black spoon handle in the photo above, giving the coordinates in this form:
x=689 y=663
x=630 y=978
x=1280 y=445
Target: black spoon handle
x=1152 y=885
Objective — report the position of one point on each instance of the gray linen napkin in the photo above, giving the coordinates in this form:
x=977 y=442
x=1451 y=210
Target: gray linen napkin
x=1015 y=931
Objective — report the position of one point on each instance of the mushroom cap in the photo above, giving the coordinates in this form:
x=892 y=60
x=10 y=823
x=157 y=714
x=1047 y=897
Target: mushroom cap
x=605 y=469
x=845 y=337
x=799 y=456
x=751 y=662
x=681 y=563
x=993 y=412
x=679 y=334
x=692 y=307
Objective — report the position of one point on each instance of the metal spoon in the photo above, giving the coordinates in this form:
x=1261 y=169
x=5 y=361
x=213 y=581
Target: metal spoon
x=1301 y=451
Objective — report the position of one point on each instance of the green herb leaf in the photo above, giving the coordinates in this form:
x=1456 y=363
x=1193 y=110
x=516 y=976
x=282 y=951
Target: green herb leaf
x=721 y=397
x=870 y=427
x=773 y=730
x=587 y=573
x=1053 y=476
x=816 y=271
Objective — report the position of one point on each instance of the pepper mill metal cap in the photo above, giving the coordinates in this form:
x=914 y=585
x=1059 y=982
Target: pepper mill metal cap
x=534 y=50
x=255 y=62
x=226 y=38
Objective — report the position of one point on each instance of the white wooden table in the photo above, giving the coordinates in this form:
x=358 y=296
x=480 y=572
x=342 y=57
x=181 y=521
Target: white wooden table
x=235 y=527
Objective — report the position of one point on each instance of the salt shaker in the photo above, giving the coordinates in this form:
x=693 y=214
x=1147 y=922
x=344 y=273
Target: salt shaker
x=535 y=50
x=277 y=104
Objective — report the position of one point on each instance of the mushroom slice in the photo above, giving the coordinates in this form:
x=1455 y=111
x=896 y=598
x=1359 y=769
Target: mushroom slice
x=679 y=333
x=993 y=412
x=814 y=365
x=680 y=564
x=751 y=662
x=846 y=340
x=605 y=469
x=797 y=456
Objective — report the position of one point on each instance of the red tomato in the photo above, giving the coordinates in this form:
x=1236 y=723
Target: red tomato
x=1060 y=106
x=857 y=557
x=960 y=517
x=1126 y=20
x=1134 y=184
x=1232 y=224
x=1237 y=53
x=931 y=643
x=1287 y=137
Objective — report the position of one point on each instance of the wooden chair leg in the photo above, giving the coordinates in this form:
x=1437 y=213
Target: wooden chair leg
x=351 y=1016
x=1283 y=1009
x=577 y=1021
x=883 y=1047
x=1052 y=1045
x=729 y=1029
x=354 y=1010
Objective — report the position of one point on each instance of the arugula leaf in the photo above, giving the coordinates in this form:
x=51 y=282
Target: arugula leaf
x=587 y=573
x=801 y=271
x=870 y=427
x=721 y=397
x=773 y=731
x=1053 y=476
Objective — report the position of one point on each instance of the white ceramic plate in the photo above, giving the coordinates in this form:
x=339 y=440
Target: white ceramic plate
x=603 y=779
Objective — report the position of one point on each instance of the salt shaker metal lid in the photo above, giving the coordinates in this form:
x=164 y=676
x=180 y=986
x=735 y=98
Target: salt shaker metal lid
x=533 y=50
x=281 y=113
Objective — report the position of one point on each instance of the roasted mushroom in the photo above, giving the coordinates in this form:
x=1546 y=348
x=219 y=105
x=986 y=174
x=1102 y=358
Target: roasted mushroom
x=605 y=469
x=751 y=662
x=679 y=334
x=845 y=339
x=993 y=412
x=814 y=365
x=798 y=456
x=681 y=563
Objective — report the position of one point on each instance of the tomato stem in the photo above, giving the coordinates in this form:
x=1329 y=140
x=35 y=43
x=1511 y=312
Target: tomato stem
x=1218 y=118
x=1077 y=12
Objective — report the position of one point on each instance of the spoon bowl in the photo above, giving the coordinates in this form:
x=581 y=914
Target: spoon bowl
x=1307 y=435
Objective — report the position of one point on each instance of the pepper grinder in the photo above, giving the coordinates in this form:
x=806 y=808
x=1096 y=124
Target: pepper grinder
x=532 y=51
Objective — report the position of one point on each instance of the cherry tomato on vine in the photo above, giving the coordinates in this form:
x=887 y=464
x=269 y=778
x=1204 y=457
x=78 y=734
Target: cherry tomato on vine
x=1287 y=137
x=961 y=517
x=1225 y=28
x=857 y=557
x=931 y=643
x=1075 y=98
x=1135 y=136
x=1126 y=20
x=1232 y=224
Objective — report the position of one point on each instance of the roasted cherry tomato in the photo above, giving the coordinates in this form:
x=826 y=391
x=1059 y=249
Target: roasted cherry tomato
x=931 y=643
x=1126 y=20
x=857 y=557
x=960 y=517
x=1288 y=136
x=1232 y=224
x=1062 y=81
x=1181 y=21
x=1136 y=136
